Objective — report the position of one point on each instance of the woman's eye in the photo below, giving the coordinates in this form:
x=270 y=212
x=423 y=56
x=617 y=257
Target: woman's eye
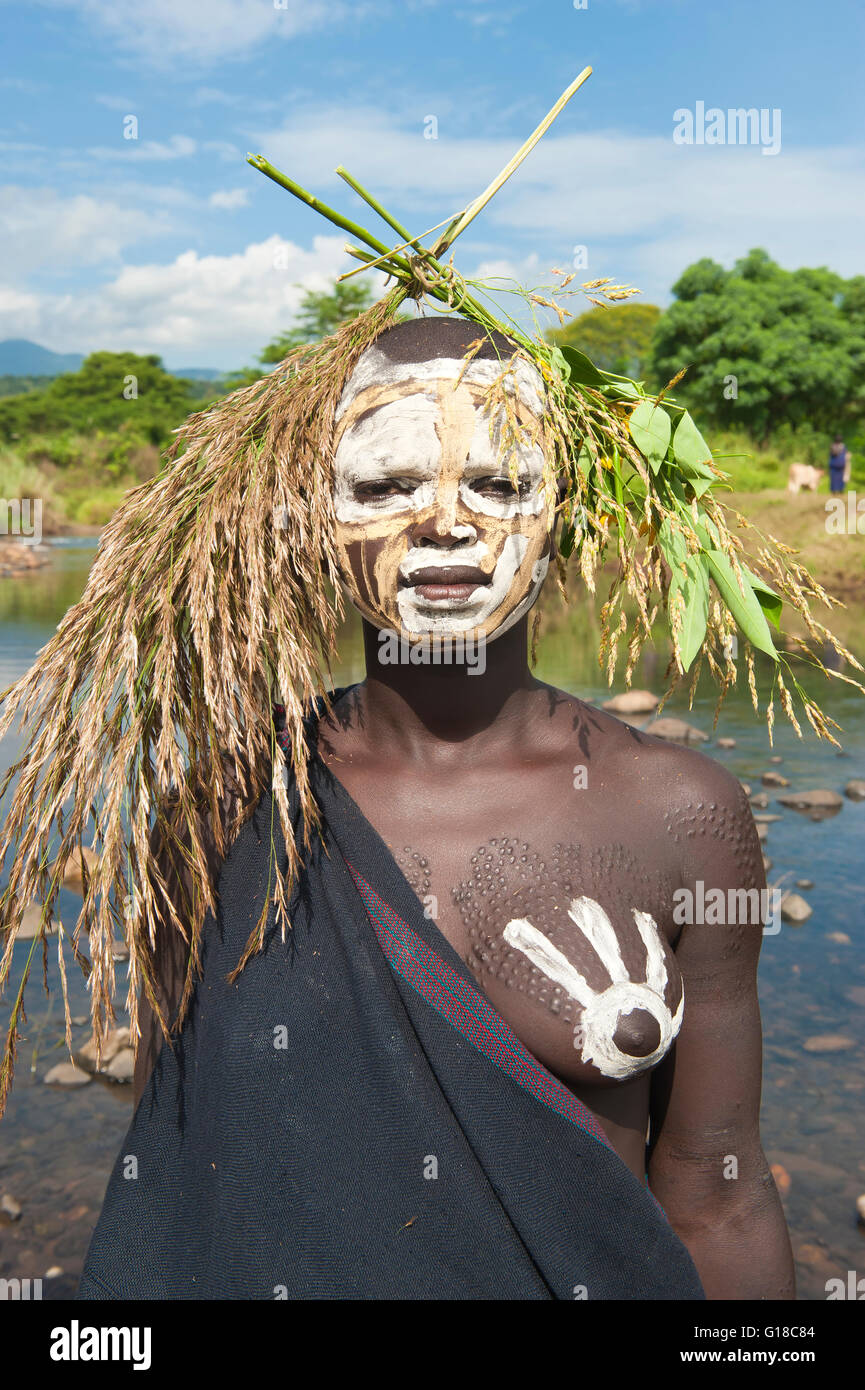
x=501 y=488
x=383 y=488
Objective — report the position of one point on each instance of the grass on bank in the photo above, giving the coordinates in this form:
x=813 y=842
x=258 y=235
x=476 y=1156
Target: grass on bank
x=81 y=479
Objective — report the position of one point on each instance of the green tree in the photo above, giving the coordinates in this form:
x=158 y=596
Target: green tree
x=320 y=314
x=763 y=346
x=617 y=339
x=112 y=391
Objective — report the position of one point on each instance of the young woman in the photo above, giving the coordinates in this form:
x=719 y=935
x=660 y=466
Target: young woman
x=487 y=1060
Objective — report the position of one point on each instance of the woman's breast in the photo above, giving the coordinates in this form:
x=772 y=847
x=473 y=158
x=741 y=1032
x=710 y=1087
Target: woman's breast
x=569 y=946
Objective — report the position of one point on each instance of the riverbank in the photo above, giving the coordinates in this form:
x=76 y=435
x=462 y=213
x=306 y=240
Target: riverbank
x=18 y=557
x=835 y=557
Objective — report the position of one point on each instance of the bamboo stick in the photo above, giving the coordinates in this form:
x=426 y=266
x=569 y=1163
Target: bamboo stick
x=450 y=236
x=377 y=207
x=259 y=162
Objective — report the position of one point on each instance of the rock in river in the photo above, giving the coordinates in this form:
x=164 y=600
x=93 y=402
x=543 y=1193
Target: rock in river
x=86 y=1056
x=828 y=1042
x=855 y=790
x=121 y=1066
x=774 y=779
x=795 y=909
x=10 y=1207
x=675 y=730
x=633 y=702
x=19 y=556
x=818 y=804
x=66 y=1074
x=73 y=877
x=783 y=1181
x=30 y=922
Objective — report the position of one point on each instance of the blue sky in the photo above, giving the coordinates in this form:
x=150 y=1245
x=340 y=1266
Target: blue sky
x=172 y=243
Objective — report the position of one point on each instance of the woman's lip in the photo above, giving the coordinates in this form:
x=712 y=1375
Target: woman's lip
x=446 y=591
x=447 y=576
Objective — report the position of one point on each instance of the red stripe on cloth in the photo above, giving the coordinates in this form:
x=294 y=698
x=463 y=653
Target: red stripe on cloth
x=462 y=1006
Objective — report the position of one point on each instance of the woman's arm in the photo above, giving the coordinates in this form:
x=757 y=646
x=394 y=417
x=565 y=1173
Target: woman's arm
x=706 y=1163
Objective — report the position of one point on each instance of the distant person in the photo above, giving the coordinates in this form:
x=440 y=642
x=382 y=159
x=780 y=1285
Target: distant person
x=838 y=471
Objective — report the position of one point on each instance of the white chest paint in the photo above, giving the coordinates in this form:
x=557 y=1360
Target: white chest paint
x=602 y=1009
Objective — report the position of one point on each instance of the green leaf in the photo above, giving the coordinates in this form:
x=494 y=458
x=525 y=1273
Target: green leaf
x=650 y=430
x=746 y=609
x=771 y=603
x=672 y=544
x=692 y=455
x=708 y=534
x=690 y=449
x=635 y=486
x=624 y=391
x=580 y=368
x=694 y=588
x=558 y=363
x=585 y=462
x=700 y=485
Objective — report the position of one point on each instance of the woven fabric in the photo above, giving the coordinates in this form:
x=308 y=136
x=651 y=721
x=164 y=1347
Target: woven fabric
x=460 y=1003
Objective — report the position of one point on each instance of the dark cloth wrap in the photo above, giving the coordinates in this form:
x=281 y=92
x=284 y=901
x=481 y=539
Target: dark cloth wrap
x=352 y=1119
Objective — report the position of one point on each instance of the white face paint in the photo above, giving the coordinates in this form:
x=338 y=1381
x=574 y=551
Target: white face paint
x=420 y=485
x=602 y=1009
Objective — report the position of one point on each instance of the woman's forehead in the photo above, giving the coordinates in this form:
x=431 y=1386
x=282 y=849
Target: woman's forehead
x=427 y=430
x=384 y=427
x=378 y=371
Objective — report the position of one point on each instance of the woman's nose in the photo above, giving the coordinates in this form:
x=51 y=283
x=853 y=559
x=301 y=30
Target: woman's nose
x=440 y=523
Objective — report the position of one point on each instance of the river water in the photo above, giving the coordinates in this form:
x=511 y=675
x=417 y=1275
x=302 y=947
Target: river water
x=57 y=1146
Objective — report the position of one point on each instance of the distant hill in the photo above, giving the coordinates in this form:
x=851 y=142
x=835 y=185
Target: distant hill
x=197 y=373
x=18 y=357
x=21 y=358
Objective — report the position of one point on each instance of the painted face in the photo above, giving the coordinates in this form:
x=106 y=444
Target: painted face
x=433 y=536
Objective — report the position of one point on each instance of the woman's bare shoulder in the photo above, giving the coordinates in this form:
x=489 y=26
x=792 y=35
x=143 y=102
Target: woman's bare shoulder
x=627 y=754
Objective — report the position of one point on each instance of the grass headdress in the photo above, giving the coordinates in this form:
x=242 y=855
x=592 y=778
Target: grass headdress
x=147 y=716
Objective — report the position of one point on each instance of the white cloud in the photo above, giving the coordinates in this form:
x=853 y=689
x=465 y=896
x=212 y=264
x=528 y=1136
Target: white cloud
x=644 y=207
x=229 y=198
x=168 y=31
x=116 y=103
x=41 y=230
x=227 y=152
x=21 y=309
x=22 y=84
x=199 y=310
x=176 y=147
x=20 y=147
x=387 y=159
x=205 y=96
